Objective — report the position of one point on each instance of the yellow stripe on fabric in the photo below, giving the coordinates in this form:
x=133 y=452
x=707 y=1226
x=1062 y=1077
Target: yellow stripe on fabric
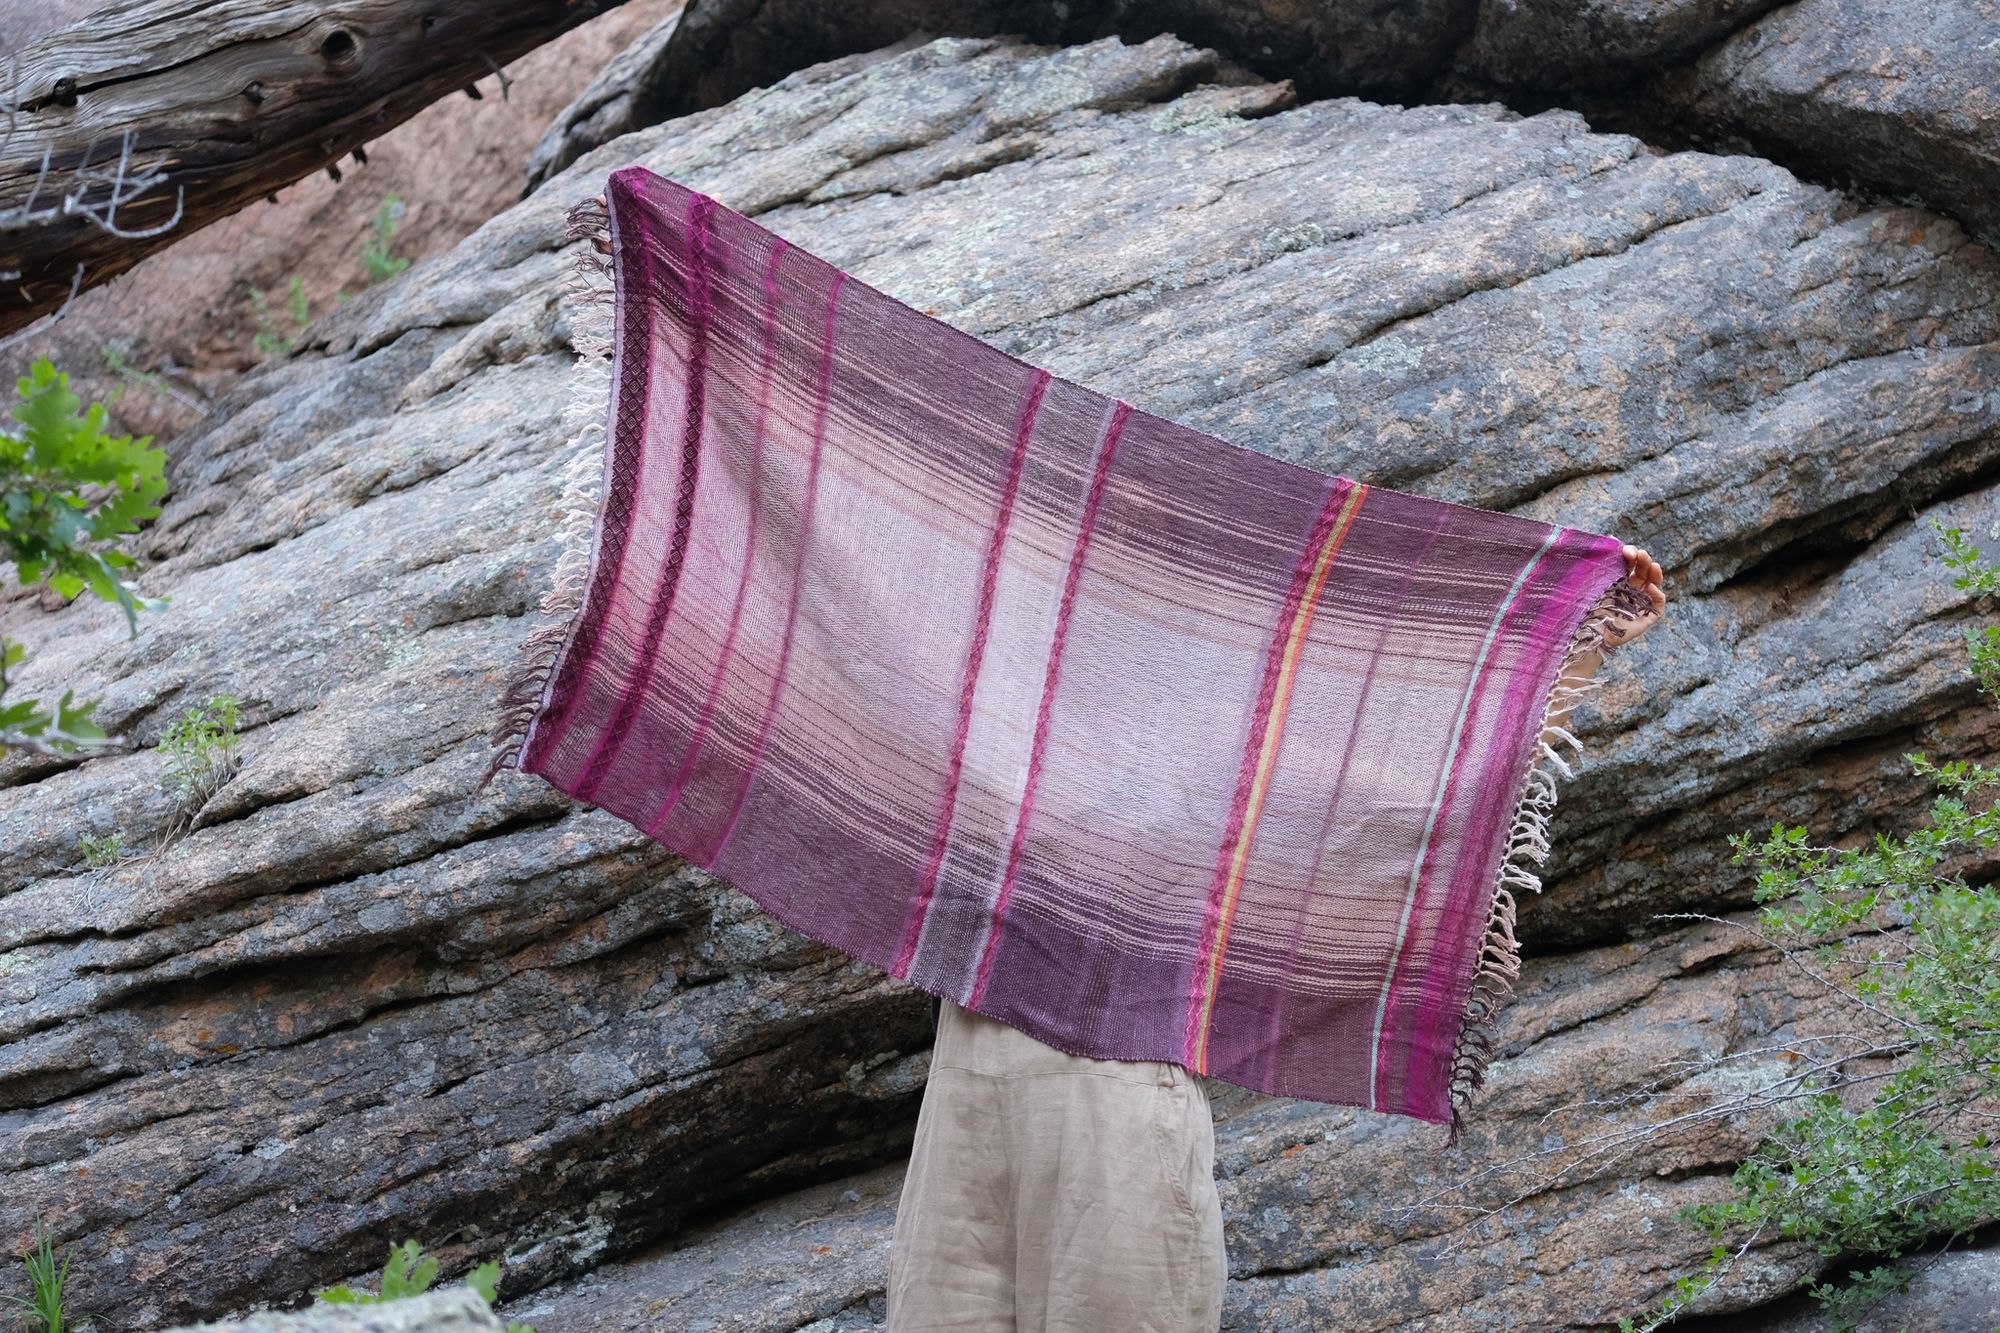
x=1267 y=758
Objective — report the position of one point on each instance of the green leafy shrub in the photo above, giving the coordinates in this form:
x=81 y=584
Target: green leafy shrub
x=200 y=746
x=1982 y=577
x=410 y=1272
x=69 y=491
x=99 y=852
x=62 y=728
x=1886 y=1141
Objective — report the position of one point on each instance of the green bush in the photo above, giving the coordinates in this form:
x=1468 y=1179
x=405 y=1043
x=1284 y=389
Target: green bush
x=69 y=490
x=200 y=746
x=1878 y=1160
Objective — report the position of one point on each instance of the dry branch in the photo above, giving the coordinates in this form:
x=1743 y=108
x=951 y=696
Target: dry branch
x=148 y=120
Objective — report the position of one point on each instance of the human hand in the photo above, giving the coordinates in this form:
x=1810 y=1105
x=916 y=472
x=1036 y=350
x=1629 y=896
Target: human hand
x=1644 y=573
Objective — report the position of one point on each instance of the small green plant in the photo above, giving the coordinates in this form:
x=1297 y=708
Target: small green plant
x=1867 y=1286
x=43 y=1312
x=378 y=262
x=69 y=492
x=269 y=340
x=200 y=746
x=1979 y=576
x=410 y=1272
x=99 y=852
x=1878 y=1158
x=117 y=360
x=376 y=258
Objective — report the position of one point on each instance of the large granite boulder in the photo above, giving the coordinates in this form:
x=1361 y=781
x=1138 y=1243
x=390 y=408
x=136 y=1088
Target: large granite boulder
x=1896 y=99
x=1904 y=99
x=358 y=1001
x=1560 y=1219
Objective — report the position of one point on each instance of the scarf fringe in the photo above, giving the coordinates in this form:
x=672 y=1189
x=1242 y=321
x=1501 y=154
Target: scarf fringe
x=586 y=299
x=1528 y=845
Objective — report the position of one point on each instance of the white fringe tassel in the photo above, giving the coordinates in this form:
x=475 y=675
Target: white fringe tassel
x=1528 y=845
x=586 y=299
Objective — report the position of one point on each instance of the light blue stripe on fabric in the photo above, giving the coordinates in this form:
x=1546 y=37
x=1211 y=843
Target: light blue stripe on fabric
x=1437 y=798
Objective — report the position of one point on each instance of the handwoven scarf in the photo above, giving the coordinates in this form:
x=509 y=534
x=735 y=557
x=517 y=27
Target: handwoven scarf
x=1149 y=744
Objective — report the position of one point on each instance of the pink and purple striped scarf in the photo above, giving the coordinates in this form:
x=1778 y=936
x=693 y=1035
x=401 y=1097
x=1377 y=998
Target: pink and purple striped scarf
x=1149 y=744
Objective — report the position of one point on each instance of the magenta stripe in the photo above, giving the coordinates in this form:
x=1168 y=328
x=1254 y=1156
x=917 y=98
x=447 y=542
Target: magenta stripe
x=1024 y=430
x=701 y=212
x=708 y=858
x=1447 y=802
x=714 y=695
x=1085 y=526
x=1246 y=774
x=1562 y=583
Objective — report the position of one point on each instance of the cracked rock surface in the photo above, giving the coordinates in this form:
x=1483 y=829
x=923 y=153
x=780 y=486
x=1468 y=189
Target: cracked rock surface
x=1337 y=1219
x=1898 y=99
x=358 y=1002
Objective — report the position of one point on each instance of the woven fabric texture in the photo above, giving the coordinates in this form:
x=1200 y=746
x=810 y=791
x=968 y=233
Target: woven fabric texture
x=1147 y=743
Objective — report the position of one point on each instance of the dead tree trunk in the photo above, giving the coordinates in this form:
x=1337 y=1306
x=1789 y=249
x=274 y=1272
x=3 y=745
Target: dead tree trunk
x=162 y=116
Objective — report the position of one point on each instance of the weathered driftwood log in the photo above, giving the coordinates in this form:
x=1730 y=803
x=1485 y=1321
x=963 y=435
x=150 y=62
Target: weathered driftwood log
x=146 y=120
x=187 y=321
x=361 y=1002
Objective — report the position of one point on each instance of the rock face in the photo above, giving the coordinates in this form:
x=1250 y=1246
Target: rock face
x=1905 y=99
x=21 y=24
x=1896 y=98
x=358 y=1002
x=1339 y=1220
x=618 y=100
x=1950 y=1291
x=458 y=1311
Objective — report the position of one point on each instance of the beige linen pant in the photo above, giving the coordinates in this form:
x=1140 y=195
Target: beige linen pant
x=1054 y=1193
